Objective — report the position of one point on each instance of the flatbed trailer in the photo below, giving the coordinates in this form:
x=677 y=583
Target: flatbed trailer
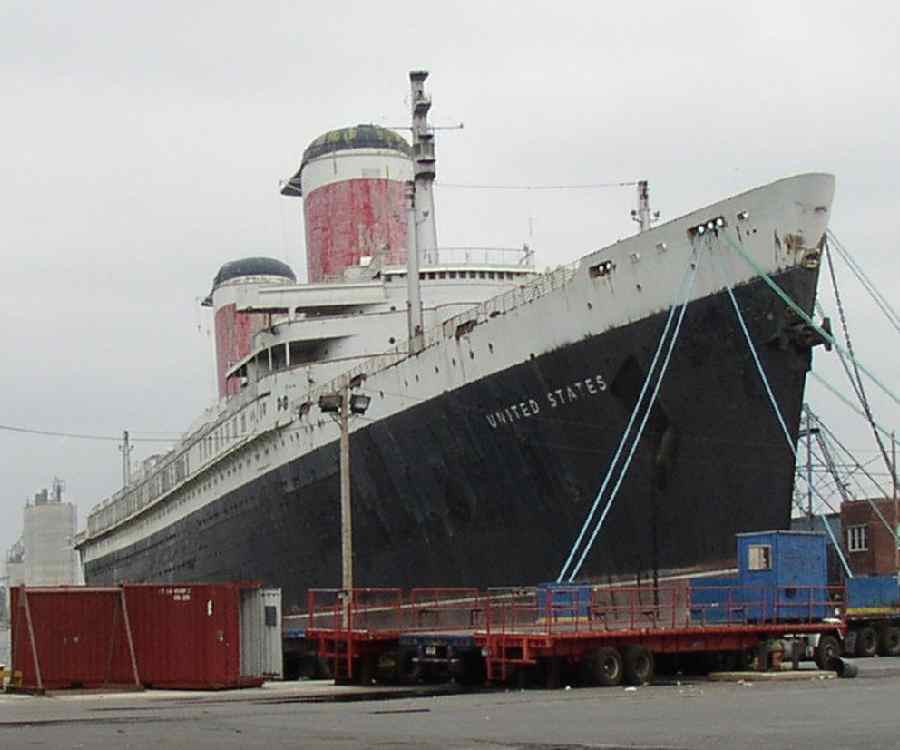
x=605 y=635
x=873 y=616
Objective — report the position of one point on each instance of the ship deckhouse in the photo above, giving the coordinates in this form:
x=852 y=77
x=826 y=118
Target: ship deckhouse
x=327 y=327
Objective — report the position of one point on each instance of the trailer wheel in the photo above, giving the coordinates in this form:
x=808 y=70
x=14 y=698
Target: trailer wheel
x=474 y=671
x=867 y=642
x=637 y=665
x=889 y=643
x=606 y=666
x=365 y=670
x=395 y=666
x=828 y=650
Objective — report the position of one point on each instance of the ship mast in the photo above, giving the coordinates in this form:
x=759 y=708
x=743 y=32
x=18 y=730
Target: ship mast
x=423 y=165
x=421 y=228
x=413 y=291
x=642 y=214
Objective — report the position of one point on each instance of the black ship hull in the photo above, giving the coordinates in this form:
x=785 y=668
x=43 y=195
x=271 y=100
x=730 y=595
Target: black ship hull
x=489 y=484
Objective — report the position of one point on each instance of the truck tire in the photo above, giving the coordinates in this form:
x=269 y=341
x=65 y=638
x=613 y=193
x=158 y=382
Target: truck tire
x=606 y=666
x=637 y=665
x=889 y=641
x=828 y=650
x=866 y=642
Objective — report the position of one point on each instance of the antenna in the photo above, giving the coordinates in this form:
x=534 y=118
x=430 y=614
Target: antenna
x=58 y=487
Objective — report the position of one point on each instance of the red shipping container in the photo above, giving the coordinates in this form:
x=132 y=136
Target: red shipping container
x=188 y=635
x=72 y=638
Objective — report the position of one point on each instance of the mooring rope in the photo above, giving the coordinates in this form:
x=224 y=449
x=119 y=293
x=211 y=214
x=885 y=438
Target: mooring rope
x=772 y=400
x=665 y=365
x=631 y=420
x=803 y=314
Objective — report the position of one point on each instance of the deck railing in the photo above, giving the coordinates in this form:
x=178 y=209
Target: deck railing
x=499 y=305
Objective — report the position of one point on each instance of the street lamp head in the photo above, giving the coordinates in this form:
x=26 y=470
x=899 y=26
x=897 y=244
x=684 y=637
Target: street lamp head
x=330 y=403
x=359 y=402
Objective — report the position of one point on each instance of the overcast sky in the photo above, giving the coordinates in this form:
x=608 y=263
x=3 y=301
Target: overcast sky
x=141 y=146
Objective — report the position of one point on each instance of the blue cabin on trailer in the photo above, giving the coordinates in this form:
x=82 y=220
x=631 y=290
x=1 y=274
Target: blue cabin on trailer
x=783 y=575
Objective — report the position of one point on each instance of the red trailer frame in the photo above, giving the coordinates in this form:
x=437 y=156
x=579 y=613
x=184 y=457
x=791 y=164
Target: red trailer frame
x=516 y=628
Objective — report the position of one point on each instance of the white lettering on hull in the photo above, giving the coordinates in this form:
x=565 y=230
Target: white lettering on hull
x=531 y=407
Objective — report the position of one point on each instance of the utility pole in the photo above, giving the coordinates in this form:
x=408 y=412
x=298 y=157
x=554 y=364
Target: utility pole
x=346 y=514
x=126 y=447
x=341 y=404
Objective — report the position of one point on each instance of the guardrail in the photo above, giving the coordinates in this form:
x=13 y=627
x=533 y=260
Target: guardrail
x=522 y=257
x=568 y=610
x=583 y=610
x=388 y=611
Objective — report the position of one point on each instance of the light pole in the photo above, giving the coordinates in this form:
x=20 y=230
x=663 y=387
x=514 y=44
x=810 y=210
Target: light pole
x=341 y=404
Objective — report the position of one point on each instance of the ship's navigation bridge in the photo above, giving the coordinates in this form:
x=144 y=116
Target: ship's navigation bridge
x=327 y=326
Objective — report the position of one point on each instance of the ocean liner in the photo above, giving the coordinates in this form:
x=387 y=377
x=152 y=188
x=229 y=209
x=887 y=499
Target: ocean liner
x=495 y=396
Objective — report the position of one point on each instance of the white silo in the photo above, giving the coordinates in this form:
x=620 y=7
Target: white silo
x=49 y=539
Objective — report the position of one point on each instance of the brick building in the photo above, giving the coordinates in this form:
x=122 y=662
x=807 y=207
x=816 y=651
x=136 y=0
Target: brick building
x=870 y=546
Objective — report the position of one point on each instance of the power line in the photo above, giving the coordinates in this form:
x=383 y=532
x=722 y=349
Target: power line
x=588 y=186
x=81 y=436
